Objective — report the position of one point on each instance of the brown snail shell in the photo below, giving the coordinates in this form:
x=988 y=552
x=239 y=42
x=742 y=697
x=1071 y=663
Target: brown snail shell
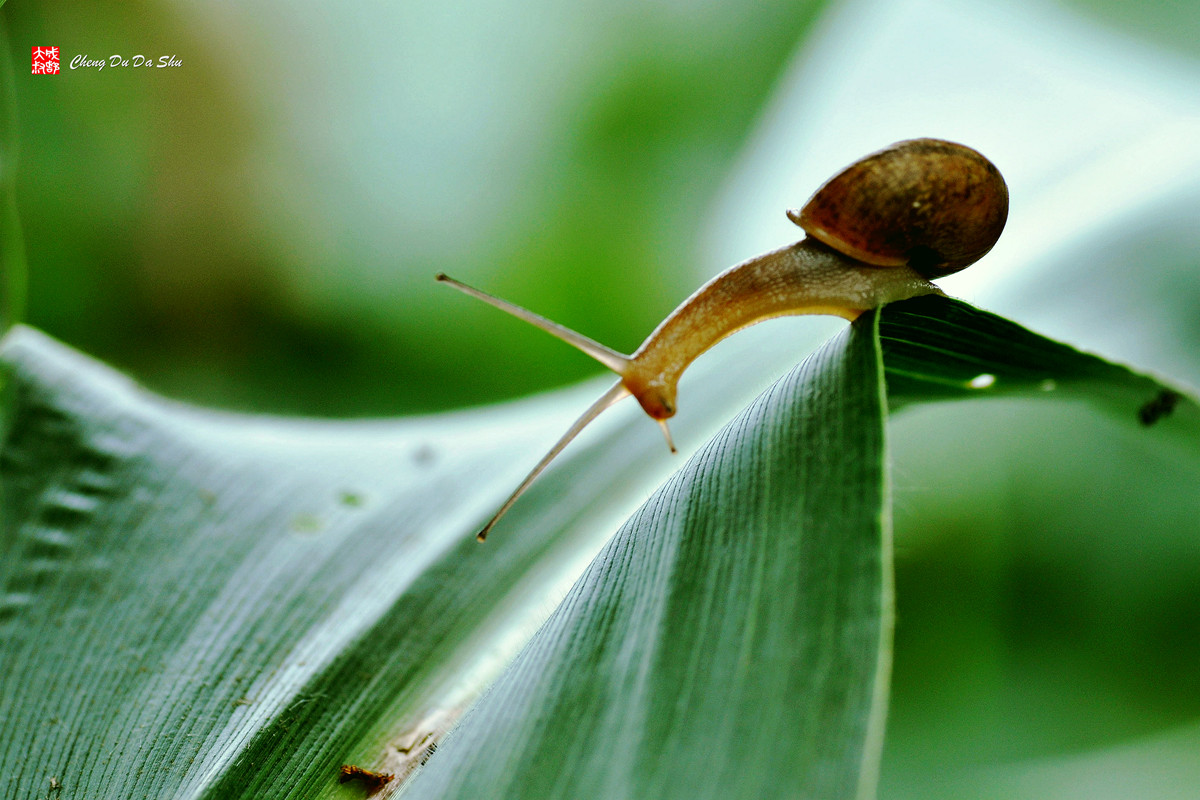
x=934 y=205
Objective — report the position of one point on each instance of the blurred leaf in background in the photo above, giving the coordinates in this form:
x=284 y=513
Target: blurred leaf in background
x=12 y=250
x=267 y=218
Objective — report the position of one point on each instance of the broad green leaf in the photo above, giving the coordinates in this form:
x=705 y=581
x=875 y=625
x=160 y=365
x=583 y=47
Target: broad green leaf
x=732 y=640
x=210 y=605
x=196 y=604
x=226 y=604
x=941 y=349
x=571 y=716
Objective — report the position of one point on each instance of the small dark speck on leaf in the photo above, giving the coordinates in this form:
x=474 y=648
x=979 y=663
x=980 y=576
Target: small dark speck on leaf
x=371 y=781
x=424 y=455
x=1162 y=405
x=352 y=499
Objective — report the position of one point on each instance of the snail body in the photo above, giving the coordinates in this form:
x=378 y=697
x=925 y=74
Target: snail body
x=878 y=232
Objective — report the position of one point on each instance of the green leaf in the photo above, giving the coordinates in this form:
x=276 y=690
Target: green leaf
x=197 y=604
x=207 y=605
x=936 y=348
x=733 y=639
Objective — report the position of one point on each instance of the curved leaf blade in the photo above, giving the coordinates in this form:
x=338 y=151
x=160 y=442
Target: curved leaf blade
x=196 y=604
x=936 y=348
x=733 y=639
x=227 y=606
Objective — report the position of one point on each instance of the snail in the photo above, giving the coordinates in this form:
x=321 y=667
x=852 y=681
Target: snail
x=877 y=232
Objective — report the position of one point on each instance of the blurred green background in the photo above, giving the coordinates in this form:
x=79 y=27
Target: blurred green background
x=258 y=229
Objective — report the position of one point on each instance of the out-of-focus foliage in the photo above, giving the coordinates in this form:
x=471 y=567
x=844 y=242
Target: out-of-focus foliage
x=12 y=254
x=1176 y=25
x=266 y=219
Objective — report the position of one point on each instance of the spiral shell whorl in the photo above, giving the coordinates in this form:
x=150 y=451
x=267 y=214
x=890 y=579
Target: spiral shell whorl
x=935 y=205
